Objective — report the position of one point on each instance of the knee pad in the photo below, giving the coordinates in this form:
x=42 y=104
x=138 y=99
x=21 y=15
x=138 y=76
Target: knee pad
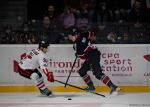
x=34 y=76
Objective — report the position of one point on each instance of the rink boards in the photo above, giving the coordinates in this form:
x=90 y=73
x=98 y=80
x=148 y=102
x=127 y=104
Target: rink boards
x=132 y=89
x=127 y=65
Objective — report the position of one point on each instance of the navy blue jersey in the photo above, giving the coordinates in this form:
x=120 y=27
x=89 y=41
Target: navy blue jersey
x=83 y=44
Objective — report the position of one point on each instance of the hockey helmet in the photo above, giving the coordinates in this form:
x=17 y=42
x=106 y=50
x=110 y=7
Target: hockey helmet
x=43 y=44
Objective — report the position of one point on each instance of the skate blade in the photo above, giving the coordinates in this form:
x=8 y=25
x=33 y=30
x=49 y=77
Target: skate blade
x=43 y=95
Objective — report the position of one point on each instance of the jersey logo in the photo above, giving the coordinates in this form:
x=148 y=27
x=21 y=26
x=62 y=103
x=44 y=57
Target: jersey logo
x=45 y=60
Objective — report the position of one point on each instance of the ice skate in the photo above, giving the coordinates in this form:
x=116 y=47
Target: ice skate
x=114 y=90
x=90 y=88
x=46 y=92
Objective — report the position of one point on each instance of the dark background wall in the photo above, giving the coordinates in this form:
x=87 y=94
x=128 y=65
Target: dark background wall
x=12 y=12
x=36 y=8
x=15 y=12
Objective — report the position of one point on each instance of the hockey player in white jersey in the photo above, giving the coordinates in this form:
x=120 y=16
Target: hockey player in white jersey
x=30 y=64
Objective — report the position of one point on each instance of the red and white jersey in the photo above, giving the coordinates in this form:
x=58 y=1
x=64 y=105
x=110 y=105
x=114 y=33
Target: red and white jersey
x=34 y=59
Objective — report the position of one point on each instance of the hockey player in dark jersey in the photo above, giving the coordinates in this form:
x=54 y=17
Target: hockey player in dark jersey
x=85 y=50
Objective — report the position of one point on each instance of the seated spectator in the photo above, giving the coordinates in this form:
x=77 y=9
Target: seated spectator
x=32 y=38
x=82 y=21
x=8 y=36
x=126 y=39
x=47 y=30
x=103 y=14
x=138 y=34
x=112 y=38
x=51 y=12
x=67 y=18
x=138 y=13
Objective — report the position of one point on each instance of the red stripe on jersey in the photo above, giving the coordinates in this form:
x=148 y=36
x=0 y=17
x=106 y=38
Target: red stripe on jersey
x=88 y=49
x=82 y=56
x=45 y=71
x=23 y=56
x=29 y=56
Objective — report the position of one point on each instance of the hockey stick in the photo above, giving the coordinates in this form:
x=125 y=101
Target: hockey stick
x=70 y=71
x=80 y=88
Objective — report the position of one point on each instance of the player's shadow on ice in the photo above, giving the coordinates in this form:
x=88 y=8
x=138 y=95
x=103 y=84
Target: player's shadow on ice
x=59 y=95
x=66 y=96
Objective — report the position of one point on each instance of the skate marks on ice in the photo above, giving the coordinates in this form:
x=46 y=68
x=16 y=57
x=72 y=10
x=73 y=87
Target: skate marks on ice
x=77 y=100
x=59 y=95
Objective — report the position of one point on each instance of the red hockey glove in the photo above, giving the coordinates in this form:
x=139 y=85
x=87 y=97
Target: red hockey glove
x=82 y=56
x=50 y=76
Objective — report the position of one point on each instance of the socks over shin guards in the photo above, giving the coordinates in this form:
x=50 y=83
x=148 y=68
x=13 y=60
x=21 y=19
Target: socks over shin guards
x=39 y=81
x=41 y=84
x=87 y=80
x=106 y=80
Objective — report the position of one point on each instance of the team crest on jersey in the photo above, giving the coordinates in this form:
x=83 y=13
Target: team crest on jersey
x=45 y=60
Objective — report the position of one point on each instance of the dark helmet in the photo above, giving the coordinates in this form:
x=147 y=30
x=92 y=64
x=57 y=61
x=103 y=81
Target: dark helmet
x=43 y=44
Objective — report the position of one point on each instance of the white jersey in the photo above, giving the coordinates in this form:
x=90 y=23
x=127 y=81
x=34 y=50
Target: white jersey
x=34 y=59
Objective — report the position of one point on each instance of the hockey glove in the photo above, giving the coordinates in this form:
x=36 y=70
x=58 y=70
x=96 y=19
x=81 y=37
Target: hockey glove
x=50 y=77
x=83 y=56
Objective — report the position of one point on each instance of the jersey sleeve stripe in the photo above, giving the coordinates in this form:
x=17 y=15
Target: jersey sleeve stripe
x=45 y=71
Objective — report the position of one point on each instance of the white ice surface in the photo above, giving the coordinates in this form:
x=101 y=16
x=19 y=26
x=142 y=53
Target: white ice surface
x=78 y=100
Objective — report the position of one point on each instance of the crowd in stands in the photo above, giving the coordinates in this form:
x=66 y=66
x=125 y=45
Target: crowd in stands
x=112 y=25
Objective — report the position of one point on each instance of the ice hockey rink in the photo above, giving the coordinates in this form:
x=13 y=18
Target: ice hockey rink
x=16 y=91
x=74 y=100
